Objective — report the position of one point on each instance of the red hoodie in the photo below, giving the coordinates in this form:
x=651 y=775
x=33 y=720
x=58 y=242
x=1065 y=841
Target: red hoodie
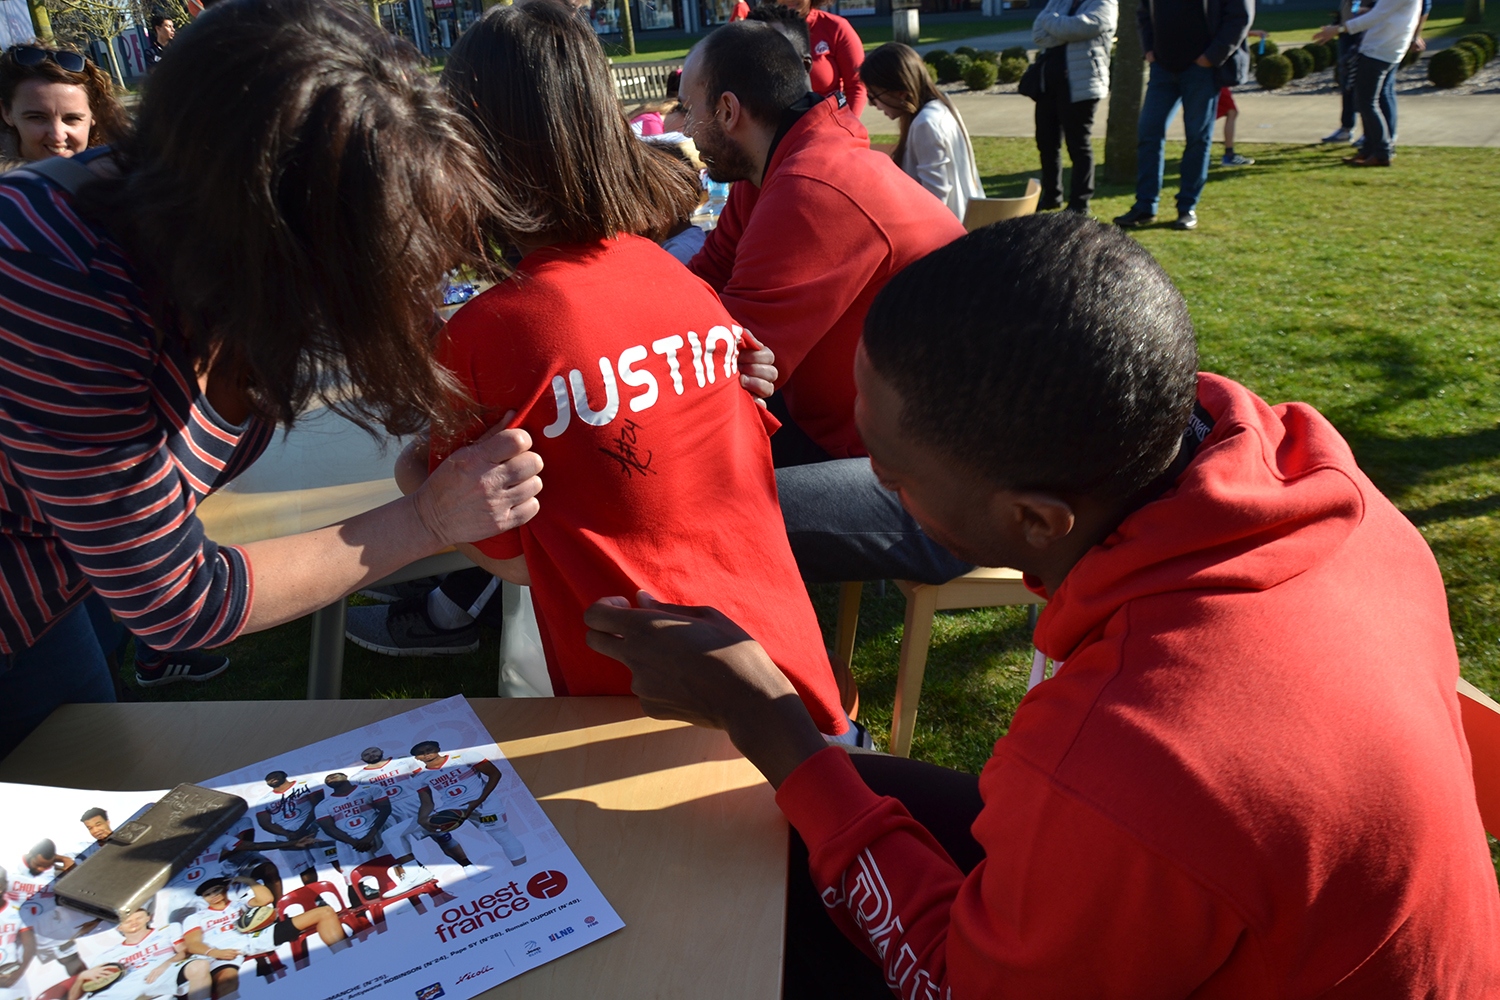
x=799 y=261
x=1247 y=778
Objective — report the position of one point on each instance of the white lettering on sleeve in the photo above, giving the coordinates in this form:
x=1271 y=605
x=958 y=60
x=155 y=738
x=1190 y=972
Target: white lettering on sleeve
x=670 y=346
x=716 y=335
x=630 y=377
x=564 y=411
x=590 y=416
x=697 y=356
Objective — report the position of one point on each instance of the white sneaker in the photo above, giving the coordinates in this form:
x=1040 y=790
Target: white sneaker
x=413 y=876
x=369 y=887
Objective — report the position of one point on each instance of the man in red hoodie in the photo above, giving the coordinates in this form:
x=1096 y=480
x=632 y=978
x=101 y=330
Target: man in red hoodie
x=816 y=224
x=1246 y=776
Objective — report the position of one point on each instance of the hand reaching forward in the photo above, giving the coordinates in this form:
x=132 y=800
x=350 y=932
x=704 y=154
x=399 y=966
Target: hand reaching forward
x=758 y=372
x=483 y=490
x=695 y=664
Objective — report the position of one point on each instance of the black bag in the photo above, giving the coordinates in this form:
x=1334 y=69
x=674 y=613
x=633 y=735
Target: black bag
x=1030 y=84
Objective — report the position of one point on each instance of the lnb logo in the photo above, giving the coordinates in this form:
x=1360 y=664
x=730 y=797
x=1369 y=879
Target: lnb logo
x=561 y=934
x=545 y=885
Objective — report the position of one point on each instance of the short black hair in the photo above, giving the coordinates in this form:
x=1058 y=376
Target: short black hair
x=43 y=849
x=755 y=63
x=212 y=885
x=157 y=20
x=1048 y=352
x=275 y=778
x=787 y=21
x=426 y=746
x=94 y=813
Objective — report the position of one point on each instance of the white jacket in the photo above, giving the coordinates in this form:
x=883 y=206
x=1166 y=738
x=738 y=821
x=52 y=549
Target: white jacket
x=939 y=156
x=1385 y=33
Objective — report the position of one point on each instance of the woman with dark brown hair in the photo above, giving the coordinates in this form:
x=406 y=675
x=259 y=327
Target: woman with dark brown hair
x=165 y=306
x=934 y=147
x=621 y=364
x=55 y=102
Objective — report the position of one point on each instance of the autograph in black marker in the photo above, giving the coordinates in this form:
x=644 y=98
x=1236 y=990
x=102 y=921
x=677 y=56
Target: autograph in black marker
x=624 y=451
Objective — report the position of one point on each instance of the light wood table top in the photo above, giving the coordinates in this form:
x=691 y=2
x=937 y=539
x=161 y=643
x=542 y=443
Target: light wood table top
x=680 y=832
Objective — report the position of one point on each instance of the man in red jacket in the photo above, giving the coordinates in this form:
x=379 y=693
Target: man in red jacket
x=815 y=226
x=1246 y=776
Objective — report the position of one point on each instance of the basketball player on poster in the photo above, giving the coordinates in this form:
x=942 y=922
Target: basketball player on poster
x=354 y=816
x=17 y=945
x=454 y=788
x=236 y=921
x=398 y=780
x=287 y=812
x=148 y=962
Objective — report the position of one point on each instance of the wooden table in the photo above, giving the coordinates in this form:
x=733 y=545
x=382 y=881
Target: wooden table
x=325 y=470
x=679 y=831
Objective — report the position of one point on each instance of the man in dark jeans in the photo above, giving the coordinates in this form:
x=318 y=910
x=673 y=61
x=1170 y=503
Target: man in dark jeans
x=1194 y=48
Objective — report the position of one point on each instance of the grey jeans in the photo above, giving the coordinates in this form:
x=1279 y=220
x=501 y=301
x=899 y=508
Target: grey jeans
x=844 y=526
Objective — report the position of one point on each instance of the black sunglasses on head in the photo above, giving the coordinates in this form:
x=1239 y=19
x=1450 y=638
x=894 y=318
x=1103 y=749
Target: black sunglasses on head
x=31 y=55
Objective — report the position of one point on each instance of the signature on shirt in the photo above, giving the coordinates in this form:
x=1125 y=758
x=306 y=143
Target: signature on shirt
x=624 y=451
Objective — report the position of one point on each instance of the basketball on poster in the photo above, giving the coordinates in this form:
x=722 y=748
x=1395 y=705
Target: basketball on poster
x=401 y=858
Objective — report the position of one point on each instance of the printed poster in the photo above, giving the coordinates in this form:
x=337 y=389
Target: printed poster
x=401 y=861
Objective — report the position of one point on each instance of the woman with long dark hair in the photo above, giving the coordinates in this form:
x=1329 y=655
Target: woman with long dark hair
x=934 y=146
x=164 y=307
x=658 y=462
x=55 y=102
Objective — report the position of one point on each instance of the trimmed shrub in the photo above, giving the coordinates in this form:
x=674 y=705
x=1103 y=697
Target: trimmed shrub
x=1485 y=42
x=931 y=71
x=1479 y=52
x=967 y=50
x=981 y=74
x=1010 y=70
x=1302 y=63
x=986 y=55
x=934 y=55
x=1273 y=72
x=1016 y=52
x=1319 y=56
x=1333 y=51
x=1272 y=49
x=951 y=68
x=1473 y=57
x=1449 y=68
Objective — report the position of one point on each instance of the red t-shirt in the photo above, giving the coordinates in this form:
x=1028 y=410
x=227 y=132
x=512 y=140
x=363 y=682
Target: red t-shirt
x=837 y=55
x=658 y=464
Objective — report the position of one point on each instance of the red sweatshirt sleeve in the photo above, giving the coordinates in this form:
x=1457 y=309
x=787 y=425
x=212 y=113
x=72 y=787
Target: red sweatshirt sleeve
x=849 y=56
x=1065 y=903
x=782 y=288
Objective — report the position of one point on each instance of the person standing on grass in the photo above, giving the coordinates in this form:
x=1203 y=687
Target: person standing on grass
x=165 y=307
x=837 y=54
x=163 y=30
x=1247 y=775
x=1384 y=31
x=1195 y=47
x=933 y=147
x=1074 y=37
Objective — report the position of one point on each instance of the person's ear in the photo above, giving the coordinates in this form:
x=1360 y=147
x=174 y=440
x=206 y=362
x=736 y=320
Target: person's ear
x=1040 y=519
x=5 y=115
x=729 y=111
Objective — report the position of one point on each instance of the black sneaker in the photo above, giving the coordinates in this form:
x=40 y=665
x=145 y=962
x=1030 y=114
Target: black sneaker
x=196 y=665
x=403 y=629
x=1135 y=218
x=1186 y=220
x=393 y=592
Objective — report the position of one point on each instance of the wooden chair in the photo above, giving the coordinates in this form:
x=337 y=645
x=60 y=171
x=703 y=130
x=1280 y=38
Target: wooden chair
x=983 y=211
x=983 y=588
x=1481 y=718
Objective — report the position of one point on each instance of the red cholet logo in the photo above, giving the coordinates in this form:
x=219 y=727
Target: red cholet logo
x=545 y=885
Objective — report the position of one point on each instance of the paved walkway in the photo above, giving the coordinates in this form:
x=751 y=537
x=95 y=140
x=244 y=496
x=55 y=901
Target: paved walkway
x=1426 y=119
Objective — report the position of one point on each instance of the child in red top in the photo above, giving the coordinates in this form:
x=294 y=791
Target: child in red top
x=658 y=463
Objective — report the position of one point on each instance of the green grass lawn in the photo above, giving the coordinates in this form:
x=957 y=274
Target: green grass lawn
x=1372 y=295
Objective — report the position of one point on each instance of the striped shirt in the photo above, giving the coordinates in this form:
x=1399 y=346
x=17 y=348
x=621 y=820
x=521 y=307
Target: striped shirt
x=106 y=443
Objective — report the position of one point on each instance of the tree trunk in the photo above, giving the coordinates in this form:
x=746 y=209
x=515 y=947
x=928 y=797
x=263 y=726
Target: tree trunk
x=1473 y=11
x=1127 y=81
x=375 y=10
x=41 y=21
x=626 y=28
x=114 y=62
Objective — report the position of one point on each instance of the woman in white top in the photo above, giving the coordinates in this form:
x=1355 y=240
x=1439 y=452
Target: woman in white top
x=934 y=145
x=1385 y=32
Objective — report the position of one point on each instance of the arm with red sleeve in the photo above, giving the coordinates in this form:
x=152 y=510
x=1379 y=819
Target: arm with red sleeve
x=849 y=56
x=808 y=253
x=1065 y=904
